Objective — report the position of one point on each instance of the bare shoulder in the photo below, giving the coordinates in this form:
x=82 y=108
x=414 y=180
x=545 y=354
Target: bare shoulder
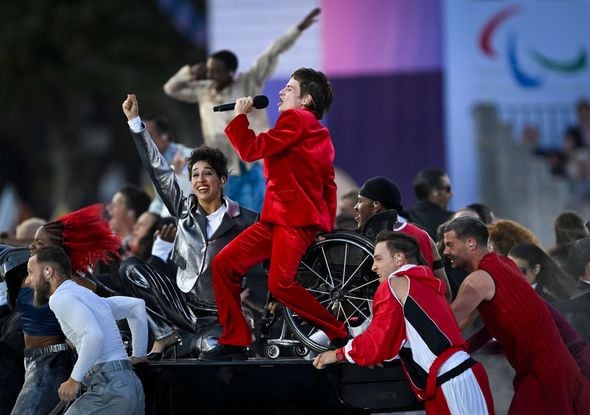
x=399 y=286
x=482 y=282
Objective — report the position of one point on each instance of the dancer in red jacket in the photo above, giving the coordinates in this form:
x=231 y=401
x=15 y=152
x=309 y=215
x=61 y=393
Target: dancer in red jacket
x=412 y=319
x=300 y=201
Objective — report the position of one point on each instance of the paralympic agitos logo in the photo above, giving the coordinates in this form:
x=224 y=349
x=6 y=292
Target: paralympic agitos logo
x=531 y=77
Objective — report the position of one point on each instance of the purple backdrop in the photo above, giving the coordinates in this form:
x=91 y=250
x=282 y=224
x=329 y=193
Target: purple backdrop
x=389 y=125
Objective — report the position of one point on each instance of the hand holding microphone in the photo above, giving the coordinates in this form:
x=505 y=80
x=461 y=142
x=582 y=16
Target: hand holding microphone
x=244 y=105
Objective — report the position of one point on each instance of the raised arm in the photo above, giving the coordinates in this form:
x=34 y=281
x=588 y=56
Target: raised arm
x=153 y=161
x=266 y=63
x=186 y=84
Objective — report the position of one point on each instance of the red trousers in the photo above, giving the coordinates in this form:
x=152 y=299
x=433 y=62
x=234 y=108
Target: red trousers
x=285 y=247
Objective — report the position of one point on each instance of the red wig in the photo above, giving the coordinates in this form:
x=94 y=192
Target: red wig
x=86 y=237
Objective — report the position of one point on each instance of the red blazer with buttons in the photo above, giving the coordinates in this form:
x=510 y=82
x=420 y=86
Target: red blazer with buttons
x=298 y=154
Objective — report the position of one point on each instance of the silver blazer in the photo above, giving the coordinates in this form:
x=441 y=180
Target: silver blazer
x=192 y=251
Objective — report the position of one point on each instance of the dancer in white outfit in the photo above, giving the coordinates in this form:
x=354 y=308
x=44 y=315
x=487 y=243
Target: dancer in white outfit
x=89 y=322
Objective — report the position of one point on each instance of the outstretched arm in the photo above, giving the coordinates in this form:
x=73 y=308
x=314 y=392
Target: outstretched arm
x=186 y=84
x=266 y=63
x=162 y=176
x=310 y=19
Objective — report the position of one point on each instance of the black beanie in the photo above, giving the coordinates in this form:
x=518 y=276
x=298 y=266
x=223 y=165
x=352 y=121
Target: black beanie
x=383 y=191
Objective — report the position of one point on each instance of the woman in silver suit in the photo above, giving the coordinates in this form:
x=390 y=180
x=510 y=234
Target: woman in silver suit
x=207 y=221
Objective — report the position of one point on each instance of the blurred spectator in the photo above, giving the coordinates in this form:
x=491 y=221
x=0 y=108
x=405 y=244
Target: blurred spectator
x=579 y=305
x=485 y=213
x=477 y=210
x=544 y=274
x=579 y=176
x=583 y=127
x=433 y=190
x=143 y=234
x=504 y=234
x=569 y=228
x=174 y=153
x=125 y=208
x=25 y=231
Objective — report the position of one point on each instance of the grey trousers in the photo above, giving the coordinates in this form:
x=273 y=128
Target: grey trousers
x=112 y=388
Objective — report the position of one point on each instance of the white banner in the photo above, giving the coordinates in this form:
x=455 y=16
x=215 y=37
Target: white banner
x=528 y=57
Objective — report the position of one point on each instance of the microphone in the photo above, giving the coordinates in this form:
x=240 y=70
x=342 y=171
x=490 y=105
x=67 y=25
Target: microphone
x=260 y=102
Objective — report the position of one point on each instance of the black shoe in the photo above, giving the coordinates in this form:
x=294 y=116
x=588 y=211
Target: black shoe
x=224 y=352
x=338 y=343
x=155 y=356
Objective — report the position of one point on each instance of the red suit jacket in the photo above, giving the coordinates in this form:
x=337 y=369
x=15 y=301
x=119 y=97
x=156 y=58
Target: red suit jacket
x=298 y=155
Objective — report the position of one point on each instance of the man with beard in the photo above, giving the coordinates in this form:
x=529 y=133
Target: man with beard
x=89 y=322
x=86 y=238
x=412 y=319
x=547 y=380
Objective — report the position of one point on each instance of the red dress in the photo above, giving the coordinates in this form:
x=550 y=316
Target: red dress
x=547 y=379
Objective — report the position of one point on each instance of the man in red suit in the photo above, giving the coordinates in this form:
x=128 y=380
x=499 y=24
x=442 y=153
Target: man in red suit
x=300 y=201
x=547 y=379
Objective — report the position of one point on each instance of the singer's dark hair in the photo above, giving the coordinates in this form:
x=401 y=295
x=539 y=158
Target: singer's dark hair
x=211 y=155
x=229 y=59
x=316 y=84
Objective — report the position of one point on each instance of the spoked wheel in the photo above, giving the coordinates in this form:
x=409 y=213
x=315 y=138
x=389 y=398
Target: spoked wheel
x=337 y=271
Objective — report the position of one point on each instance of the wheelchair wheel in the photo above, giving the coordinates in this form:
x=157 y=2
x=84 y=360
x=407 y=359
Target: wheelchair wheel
x=337 y=271
x=300 y=350
x=272 y=351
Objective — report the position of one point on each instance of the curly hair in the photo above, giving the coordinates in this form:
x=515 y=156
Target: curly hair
x=85 y=236
x=504 y=234
x=211 y=155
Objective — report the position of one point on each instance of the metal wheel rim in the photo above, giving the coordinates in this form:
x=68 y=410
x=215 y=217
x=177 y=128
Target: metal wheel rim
x=360 y=306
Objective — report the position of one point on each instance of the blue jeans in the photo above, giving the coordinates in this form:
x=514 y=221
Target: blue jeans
x=111 y=388
x=45 y=370
x=248 y=188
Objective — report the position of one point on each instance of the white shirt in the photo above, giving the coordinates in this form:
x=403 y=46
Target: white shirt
x=214 y=220
x=89 y=322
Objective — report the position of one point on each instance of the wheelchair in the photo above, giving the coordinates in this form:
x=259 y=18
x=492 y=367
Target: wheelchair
x=337 y=270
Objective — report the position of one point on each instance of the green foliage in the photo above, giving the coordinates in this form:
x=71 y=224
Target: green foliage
x=65 y=67
x=55 y=46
